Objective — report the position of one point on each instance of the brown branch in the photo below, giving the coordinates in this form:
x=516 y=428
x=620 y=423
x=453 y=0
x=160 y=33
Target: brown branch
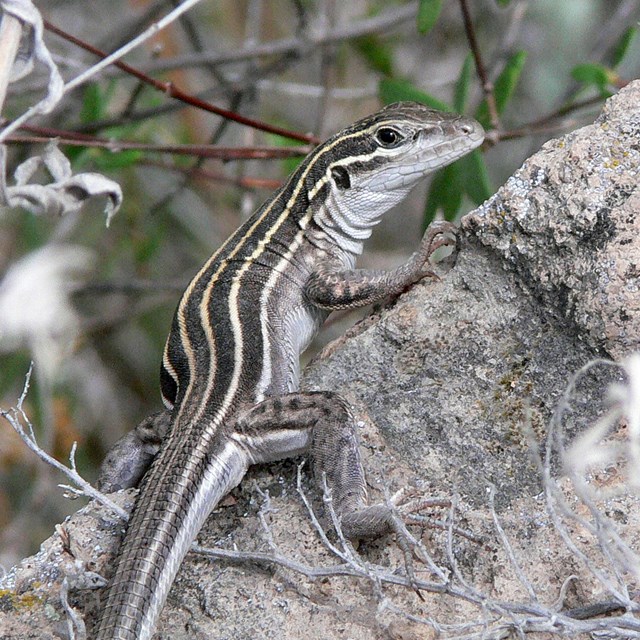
x=245 y=182
x=487 y=85
x=200 y=150
x=554 y=122
x=172 y=91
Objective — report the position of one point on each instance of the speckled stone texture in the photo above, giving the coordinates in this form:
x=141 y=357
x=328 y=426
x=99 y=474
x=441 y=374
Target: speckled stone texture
x=568 y=223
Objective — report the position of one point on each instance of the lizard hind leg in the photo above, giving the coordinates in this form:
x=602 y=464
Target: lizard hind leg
x=131 y=456
x=324 y=424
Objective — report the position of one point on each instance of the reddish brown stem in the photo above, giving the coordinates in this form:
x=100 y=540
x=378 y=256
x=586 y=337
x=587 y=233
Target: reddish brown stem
x=246 y=182
x=200 y=150
x=487 y=85
x=174 y=92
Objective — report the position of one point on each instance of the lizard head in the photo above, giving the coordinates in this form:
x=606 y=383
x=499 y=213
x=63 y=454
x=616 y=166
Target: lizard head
x=401 y=144
x=360 y=173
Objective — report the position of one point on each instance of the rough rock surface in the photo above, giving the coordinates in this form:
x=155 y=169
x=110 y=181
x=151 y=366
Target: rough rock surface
x=545 y=280
x=567 y=223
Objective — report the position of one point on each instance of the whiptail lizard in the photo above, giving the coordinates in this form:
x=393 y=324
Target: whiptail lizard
x=229 y=376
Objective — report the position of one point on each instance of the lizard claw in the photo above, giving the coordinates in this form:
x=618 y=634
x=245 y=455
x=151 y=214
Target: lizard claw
x=438 y=234
x=403 y=504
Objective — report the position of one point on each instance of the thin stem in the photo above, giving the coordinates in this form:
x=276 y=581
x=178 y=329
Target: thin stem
x=199 y=150
x=297 y=46
x=172 y=91
x=16 y=415
x=487 y=85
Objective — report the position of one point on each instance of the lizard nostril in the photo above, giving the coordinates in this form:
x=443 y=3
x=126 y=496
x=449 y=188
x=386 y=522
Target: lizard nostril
x=466 y=128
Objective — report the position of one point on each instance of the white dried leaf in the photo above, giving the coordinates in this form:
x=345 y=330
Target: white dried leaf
x=53 y=159
x=35 y=304
x=32 y=47
x=66 y=194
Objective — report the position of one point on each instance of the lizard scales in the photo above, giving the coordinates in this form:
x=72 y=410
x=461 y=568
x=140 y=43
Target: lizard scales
x=229 y=375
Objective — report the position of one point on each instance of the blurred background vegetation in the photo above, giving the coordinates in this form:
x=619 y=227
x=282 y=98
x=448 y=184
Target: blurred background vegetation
x=92 y=305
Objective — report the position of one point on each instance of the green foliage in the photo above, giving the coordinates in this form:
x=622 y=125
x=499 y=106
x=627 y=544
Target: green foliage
x=94 y=103
x=594 y=75
x=476 y=184
x=428 y=14
x=508 y=79
x=445 y=193
x=602 y=77
x=95 y=107
x=461 y=92
x=622 y=48
x=33 y=233
x=466 y=177
x=376 y=53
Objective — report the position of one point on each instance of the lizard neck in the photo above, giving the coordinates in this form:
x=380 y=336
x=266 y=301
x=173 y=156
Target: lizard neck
x=346 y=219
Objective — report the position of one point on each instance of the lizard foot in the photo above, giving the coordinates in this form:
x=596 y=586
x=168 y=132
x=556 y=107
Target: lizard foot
x=438 y=234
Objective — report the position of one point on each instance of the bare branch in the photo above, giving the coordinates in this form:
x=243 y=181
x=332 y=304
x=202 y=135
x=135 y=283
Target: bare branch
x=508 y=548
x=199 y=150
x=297 y=45
x=168 y=88
x=16 y=416
x=75 y=623
x=487 y=85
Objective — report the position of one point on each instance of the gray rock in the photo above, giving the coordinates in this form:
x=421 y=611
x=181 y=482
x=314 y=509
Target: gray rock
x=449 y=372
x=567 y=223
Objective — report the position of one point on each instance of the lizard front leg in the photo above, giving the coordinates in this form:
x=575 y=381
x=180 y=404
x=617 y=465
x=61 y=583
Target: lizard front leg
x=333 y=287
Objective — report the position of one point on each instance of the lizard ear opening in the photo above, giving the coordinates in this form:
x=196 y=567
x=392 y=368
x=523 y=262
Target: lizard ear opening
x=341 y=177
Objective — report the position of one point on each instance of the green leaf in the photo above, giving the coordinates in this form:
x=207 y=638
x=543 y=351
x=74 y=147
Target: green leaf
x=504 y=3
x=476 y=179
x=445 y=193
x=622 y=47
x=92 y=103
x=504 y=86
x=462 y=85
x=377 y=54
x=95 y=100
x=397 y=90
x=465 y=176
x=592 y=74
x=508 y=79
x=428 y=14
x=109 y=160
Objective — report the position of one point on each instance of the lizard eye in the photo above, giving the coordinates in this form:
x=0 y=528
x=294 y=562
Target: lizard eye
x=388 y=137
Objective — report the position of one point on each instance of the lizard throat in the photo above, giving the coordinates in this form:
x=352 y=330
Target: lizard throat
x=348 y=217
